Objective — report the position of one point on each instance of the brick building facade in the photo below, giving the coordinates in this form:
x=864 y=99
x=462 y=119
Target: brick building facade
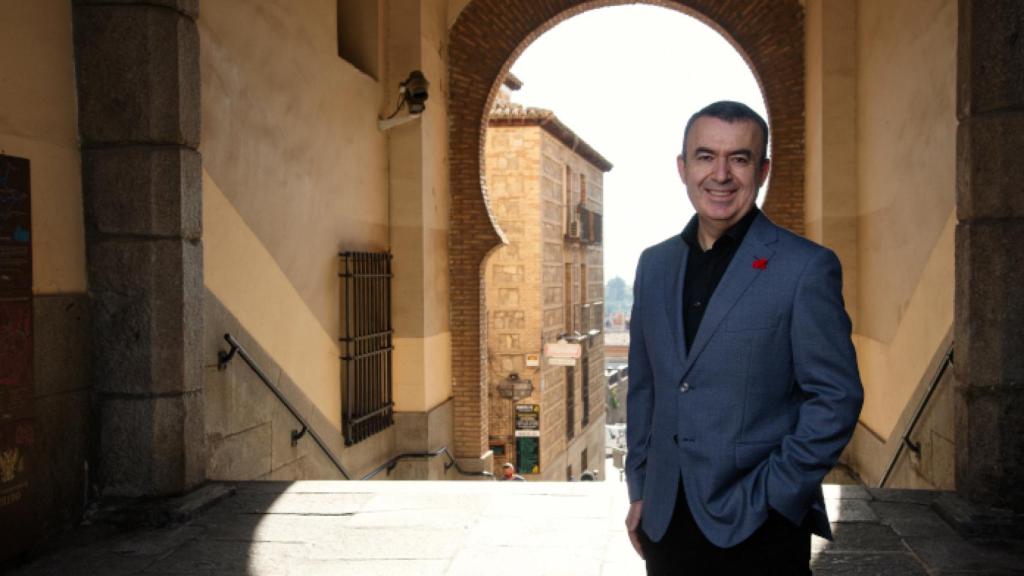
x=546 y=283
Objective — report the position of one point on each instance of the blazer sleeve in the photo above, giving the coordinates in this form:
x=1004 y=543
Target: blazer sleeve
x=640 y=396
x=825 y=370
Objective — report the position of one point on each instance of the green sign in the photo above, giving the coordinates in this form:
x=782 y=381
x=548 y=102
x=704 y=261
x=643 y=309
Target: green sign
x=528 y=455
x=528 y=438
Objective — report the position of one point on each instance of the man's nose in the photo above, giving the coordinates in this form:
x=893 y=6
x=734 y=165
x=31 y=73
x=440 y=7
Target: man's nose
x=722 y=173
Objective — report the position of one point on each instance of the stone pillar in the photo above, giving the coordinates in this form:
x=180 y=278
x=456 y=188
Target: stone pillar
x=989 y=324
x=139 y=121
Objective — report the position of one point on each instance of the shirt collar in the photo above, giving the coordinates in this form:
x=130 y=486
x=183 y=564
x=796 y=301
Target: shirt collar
x=735 y=233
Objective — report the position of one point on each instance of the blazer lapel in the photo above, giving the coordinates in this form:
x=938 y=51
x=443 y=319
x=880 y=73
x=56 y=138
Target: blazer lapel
x=737 y=278
x=675 y=274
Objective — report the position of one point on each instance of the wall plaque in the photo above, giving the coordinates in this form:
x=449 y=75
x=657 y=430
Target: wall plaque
x=15 y=228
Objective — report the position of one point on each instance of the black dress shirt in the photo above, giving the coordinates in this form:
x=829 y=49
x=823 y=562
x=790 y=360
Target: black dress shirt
x=705 y=269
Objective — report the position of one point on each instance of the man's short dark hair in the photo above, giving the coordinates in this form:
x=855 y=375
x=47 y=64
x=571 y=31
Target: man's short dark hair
x=730 y=111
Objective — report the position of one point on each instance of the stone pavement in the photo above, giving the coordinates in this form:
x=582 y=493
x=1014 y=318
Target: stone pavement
x=489 y=528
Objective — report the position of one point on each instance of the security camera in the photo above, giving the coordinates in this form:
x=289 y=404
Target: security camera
x=414 y=91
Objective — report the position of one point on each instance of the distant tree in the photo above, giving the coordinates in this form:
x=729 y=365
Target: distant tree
x=618 y=296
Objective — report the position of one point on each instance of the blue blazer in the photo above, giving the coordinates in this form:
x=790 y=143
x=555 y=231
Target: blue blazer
x=759 y=410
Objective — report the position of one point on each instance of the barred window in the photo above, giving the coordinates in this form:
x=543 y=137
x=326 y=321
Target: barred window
x=366 y=375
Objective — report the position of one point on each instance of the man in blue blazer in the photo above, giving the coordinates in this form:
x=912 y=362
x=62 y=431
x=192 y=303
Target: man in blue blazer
x=743 y=382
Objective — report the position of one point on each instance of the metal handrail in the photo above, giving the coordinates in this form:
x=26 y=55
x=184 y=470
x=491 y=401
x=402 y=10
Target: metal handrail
x=390 y=464
x=223 y=358
x=905 y=440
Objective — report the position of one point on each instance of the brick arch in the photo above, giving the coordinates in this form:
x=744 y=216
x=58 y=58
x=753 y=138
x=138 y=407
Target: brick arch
x=485 y=40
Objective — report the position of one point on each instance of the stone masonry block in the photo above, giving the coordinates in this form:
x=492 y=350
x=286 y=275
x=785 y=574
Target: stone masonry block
x=61 y=343
x=138 y=74
x=989 y=445
x=143 y=190
x=990 y=310
x=990 y=56
x=146 y=315
x=990 y=175
x=241 y=456
x=235 y=400
x=152 y=446
x=187 y=7
x=282 y=424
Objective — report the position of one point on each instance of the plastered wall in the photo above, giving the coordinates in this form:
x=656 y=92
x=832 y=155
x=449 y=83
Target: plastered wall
x=881 y=143
x=38 y=121
x=418 y=202
x=297 y=169
x=906 y=151
x=294 y=172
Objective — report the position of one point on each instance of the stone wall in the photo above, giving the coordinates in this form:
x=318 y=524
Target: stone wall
x=526 y=290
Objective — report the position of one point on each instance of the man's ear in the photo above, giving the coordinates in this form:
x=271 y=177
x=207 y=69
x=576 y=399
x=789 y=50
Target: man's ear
x=681 y=167
x=766 y=165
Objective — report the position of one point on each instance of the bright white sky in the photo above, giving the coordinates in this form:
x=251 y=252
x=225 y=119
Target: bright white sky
x=626 y=79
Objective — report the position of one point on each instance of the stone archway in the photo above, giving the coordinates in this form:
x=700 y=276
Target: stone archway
x=487 y=37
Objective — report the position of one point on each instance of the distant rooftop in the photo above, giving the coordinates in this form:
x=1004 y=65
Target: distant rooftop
x=505 y=113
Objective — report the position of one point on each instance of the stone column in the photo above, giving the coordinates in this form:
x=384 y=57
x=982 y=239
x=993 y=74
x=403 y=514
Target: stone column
x=989 y=325
x=139 y=121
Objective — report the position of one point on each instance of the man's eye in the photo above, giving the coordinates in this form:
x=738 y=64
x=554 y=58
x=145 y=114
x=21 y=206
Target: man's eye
x=740 y=160
x=704 y=157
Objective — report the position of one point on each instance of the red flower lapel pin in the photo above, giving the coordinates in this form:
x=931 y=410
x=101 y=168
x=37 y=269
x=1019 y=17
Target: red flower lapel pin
x=761 y=263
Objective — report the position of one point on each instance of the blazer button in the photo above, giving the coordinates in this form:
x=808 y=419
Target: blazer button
x=685 y=387
x=675 y=439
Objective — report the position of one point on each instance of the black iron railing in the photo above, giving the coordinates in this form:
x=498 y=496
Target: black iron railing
x=452 y=462
x=905 y=441
x=225 y=357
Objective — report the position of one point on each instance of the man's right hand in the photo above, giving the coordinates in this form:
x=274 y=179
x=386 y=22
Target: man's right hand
x=633 y=525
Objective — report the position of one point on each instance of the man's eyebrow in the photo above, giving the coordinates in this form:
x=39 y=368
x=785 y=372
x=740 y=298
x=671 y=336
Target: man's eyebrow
x=745 y=152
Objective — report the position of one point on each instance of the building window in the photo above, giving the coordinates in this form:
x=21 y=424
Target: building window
x=570 y=403
x=359 y=34
x=366 y=386
x=585 y=390
x=583 y=461
x=567 y=207
x=569 y=309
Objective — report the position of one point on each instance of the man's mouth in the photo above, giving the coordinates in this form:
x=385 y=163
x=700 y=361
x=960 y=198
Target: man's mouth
x=720 y=193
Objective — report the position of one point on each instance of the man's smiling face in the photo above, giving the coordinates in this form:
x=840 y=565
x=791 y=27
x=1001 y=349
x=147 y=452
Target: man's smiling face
x=723 y=167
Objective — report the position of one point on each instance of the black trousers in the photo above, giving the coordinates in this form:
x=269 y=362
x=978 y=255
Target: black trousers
x=778 y=547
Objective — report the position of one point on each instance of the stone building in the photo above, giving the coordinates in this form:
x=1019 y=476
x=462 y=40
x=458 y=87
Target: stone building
x=544 y=285
x=195 y=169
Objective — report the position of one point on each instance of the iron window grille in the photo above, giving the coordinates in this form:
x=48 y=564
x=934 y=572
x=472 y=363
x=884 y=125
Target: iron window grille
x=366 y=387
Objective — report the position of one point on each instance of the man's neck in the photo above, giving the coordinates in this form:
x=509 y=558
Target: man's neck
x=710 y=231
